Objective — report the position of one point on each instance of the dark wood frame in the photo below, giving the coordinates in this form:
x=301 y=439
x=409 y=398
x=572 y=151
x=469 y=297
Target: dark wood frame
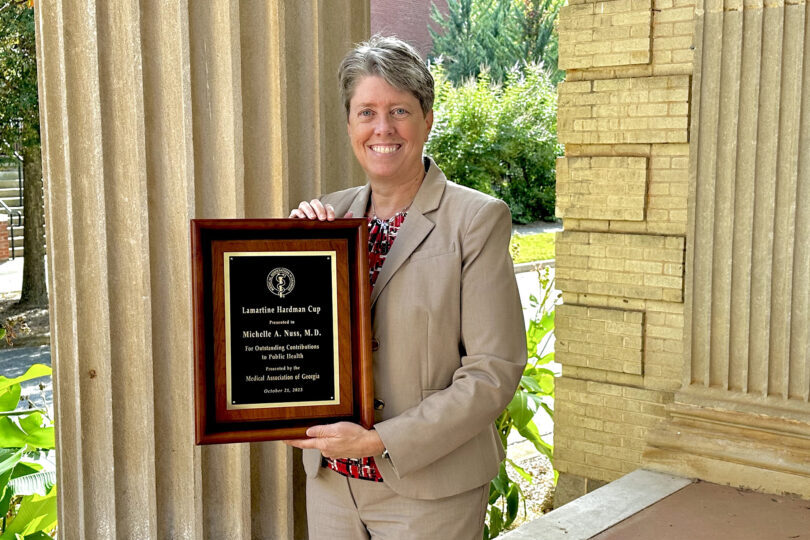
x=349 y=237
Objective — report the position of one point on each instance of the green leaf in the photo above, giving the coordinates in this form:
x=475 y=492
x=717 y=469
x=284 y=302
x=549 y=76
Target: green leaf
x=547 y=322
x=545 y=381
x=5 y=501
x=27 y=430
x=36 y=513
x=2 y=332
x=35 y=371
x=494 y=494
x=521 y=471
x=39 y=535
x=545 y=359
x=39 y=483
x=529 y=383
x=530 y=433
x=512 y=504
x=9 y=459
x=495 y=522
x=26 y=467
x=548 y=410
x=10 y=397
x=501 y=482
x=522 y=408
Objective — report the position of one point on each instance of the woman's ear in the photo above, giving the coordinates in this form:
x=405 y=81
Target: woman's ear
x=429 y=124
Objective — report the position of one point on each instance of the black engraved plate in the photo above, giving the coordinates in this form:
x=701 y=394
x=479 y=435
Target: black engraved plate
x=281 y=326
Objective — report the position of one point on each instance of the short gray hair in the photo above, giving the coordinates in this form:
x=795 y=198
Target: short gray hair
x=392 y=59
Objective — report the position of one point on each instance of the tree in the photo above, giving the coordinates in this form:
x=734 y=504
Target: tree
x=498 y=34
x=500 y=138
x=19 y=136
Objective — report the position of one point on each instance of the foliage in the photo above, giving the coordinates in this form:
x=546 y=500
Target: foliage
x=500 y=139
x=535 y=392
x=496 y=34
x=532 y=247
x=20 y=137
x=27 y=491
x=12 y=328
x=19 y=102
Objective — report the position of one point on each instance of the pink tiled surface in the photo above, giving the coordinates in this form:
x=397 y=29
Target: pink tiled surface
x=704 y=511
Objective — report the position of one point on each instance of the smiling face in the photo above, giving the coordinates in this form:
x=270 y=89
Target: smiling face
x=387 y=130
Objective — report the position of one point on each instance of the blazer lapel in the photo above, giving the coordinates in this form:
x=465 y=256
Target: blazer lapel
x=414 y=229
x=358 y=206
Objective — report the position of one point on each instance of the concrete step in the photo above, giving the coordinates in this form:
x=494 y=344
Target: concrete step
x=10 y=192
x=18 y=239
x=7 y=175
x=10 y=184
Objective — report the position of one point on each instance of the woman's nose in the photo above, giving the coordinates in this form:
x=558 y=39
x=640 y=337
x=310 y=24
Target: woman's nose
x=383 y=125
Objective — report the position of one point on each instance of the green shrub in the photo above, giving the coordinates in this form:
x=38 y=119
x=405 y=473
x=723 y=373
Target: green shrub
x=500 y=139
x=534 y=393
x=27 y=490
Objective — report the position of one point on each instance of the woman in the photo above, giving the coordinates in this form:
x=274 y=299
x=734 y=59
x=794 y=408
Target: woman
x=449 y=344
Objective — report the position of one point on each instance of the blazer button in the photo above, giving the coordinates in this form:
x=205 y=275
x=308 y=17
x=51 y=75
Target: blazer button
x=375 y=344
x=379 y=404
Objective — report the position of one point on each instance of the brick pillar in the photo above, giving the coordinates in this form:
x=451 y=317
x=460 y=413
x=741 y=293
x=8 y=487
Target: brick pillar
x=5 y=254
x=622 y=191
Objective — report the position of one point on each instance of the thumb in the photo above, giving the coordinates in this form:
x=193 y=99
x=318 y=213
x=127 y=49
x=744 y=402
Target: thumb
x=348 y=214
x=317 y=431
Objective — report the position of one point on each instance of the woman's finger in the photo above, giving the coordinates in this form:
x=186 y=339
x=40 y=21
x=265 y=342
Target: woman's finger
x=348 y=215
x=320 y=211
x=330 y=212
x=307 y=210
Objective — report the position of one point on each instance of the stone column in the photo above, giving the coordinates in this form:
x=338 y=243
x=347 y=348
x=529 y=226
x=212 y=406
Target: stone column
x=153 y=113
x=742 y=416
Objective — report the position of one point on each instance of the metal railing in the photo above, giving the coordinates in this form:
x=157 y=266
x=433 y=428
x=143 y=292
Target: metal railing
x=11 y=213
x=20 y=180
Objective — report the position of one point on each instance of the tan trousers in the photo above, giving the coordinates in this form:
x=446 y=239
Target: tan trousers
x=341 y=508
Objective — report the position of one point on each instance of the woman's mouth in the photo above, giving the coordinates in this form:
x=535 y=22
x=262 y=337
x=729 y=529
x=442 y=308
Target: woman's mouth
x=385 y=148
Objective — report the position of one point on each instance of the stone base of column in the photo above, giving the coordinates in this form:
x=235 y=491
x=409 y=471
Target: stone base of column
x=744 y=448
x=572 y=486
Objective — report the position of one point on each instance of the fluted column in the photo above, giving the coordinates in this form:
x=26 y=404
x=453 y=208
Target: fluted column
x=743 y=413
x=155 y=112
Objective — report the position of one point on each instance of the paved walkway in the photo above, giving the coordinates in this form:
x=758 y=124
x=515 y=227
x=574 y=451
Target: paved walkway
x=11 y=276
x=537 y=227
x=16 y=361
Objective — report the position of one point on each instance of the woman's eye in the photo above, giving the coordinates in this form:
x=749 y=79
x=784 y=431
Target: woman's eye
x=399 y=111
x=365 y=113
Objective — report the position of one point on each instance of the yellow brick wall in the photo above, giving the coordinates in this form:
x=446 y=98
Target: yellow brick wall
x=598 y=34
x=608 y=339
x=624 y=111
x=624 y=121
x=602 y=188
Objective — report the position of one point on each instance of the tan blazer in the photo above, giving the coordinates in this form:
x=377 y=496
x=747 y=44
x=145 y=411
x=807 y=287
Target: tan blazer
x=447 y=317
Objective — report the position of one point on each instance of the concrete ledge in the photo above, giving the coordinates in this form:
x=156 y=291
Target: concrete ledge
x=593 y=513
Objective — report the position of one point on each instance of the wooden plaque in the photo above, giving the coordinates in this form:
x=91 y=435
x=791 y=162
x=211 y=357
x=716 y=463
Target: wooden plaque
x=282 y=332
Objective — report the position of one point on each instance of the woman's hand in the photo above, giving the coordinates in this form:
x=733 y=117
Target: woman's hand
x=341 y=440
x=314 y=209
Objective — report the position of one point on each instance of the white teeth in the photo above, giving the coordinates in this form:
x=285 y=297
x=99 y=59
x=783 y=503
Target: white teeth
x=384 y=149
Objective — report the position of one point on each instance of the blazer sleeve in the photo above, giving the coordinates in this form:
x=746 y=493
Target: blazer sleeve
x=493 y=349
